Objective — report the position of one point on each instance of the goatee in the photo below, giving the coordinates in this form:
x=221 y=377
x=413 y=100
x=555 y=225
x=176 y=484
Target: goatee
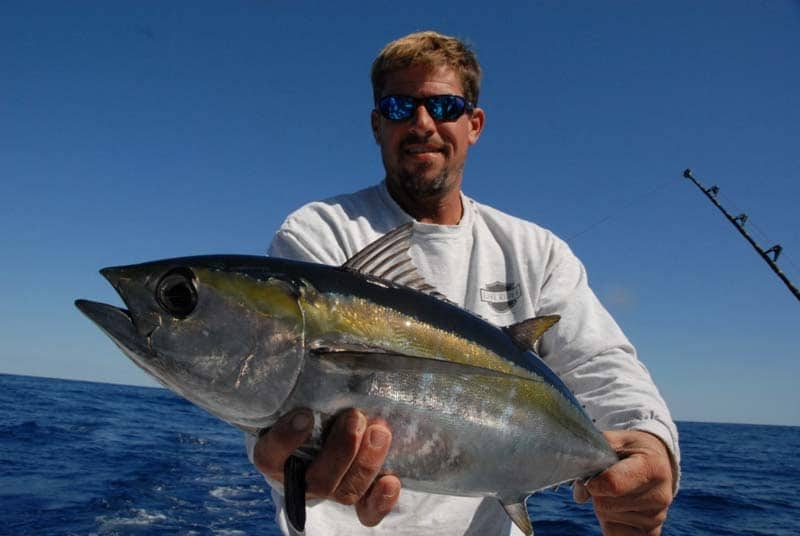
x=418 y=186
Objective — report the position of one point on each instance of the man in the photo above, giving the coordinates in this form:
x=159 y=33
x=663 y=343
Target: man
x=425 y=119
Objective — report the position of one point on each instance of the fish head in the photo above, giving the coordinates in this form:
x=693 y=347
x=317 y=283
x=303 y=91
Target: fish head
x=211 y=330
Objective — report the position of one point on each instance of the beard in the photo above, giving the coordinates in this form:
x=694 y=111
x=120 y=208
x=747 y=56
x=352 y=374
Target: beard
x=420 y=181
x=419 y=185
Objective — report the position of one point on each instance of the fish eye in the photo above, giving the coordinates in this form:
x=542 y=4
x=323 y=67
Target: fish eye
x=176 y=292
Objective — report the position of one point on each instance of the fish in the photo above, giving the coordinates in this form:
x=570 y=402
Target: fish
x=473 y=410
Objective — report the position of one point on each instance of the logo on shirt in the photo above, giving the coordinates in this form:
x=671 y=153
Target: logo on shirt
x=501 y=296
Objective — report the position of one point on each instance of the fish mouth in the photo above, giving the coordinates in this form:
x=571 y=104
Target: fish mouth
x=116 y=323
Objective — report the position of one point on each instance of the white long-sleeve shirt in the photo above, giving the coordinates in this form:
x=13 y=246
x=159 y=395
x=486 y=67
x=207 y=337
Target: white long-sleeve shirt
x=506 y=270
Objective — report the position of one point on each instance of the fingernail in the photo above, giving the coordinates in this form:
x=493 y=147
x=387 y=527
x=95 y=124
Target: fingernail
x=579 y=492
x=385 y=502
x=356 y=423
x=378 y=438
x=301 y=422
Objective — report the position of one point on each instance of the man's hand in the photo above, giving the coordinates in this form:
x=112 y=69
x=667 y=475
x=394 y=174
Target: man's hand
x=346 y=469
x=632 y=497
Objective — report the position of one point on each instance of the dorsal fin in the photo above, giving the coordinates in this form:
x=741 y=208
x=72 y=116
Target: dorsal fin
x=387 y=258
x=527 y=332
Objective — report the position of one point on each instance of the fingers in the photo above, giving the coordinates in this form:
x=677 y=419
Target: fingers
x=616 y=529
x=645 y=465
x=634 y=495
x=646 y=511
x=347 y=467
x=635 y=474
x=618 y=520
x=655 y=498
x=647 y=521
x=274 y=447
x=353 y=454
x=337 y=454
x=359 y=478
x=379 y=501
x=636 y=513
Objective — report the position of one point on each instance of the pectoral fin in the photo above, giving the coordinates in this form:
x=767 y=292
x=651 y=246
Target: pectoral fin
x=519 y=515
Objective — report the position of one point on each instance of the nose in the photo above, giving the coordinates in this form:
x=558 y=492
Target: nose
x=422 y=124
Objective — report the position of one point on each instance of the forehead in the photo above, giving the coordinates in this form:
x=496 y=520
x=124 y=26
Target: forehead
x=423 y=80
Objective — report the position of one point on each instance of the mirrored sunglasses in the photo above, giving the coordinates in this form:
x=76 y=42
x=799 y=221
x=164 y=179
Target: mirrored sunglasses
x=440 y=107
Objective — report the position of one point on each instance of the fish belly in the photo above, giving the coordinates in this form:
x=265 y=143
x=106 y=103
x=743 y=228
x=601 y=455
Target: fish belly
x=455 y=434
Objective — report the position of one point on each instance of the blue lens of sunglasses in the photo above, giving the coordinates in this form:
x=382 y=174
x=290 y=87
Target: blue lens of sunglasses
x=440 y=107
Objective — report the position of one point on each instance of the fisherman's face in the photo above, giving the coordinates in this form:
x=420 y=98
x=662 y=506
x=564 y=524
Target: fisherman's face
x=424 y=158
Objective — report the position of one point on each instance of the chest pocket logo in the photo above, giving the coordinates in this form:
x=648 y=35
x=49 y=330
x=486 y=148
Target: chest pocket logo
x=501 y=296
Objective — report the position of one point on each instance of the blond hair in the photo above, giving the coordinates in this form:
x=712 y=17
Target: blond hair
x=429 y=49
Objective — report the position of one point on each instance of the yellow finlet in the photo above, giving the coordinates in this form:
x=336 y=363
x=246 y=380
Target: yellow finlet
x=519 y=515
x=527 y=332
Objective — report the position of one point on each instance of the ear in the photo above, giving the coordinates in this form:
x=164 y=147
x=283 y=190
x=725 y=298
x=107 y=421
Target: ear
x=375 y=119
x=476 y=122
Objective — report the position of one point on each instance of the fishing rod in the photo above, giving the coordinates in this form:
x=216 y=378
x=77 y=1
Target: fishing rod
x=738 y=222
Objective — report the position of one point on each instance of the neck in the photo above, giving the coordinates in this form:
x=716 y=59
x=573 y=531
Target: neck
x=442 y=209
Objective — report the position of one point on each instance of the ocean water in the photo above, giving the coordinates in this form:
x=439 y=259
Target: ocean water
x=90 y=458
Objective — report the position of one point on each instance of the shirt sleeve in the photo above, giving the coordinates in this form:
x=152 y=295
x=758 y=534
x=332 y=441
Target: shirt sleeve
x=588 y=350
x=290 y=245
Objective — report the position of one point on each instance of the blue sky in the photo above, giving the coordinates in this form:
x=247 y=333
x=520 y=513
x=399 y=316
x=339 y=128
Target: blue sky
x=131 y=131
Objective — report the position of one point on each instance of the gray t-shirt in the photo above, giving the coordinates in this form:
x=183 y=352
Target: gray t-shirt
x=506 y=270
